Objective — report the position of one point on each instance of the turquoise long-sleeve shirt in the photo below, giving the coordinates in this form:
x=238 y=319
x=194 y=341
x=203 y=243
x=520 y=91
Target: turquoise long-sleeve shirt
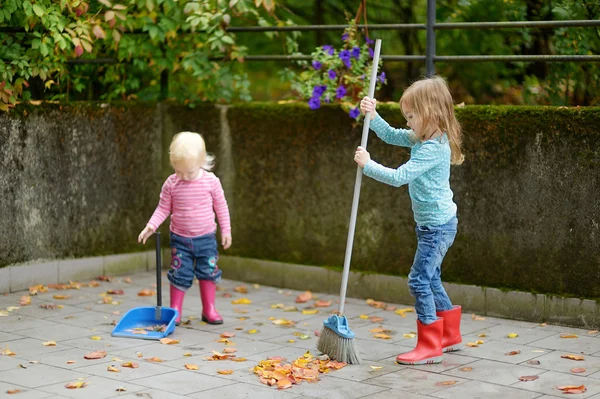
x=427 y=173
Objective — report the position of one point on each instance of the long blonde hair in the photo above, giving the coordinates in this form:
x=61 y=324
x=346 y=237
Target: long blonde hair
x=190 y=146
x=432 y=104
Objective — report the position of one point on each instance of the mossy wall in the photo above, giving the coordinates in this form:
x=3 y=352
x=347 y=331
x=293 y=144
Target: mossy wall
x=83 y=179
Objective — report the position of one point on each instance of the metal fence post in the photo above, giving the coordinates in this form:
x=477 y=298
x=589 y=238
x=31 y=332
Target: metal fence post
x=430 y=52
x=164 y=85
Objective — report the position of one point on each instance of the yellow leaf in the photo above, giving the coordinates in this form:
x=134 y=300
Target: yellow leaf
x=225 y=371
x=252 y=331
x=382 y=336
x=363 y=316
x=62 y=296
x=113 y=369
x=564 y=335
x=241 y=301
x=482 y=335
x=242 y=289
x=479 y=318
x=155 y=360
x=291 y=341
x=472 y=344
x=512 y=335
x=96 y=338
x=130 y=365
x=187 y=354
x=168 y=341
x=116 y=359
x=466 y=369
x=402 y=312
x=278 y=306
x=442 y=383
x=191 y=366
x=479 y=342
x=310 y=311
x=76 y=384
x=283 y=322
x=411 y=335
x=376 y=367
x=573 y=357
x=25 y=300
x=49 y=343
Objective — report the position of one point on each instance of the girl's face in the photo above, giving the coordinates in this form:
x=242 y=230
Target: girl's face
x=187 y=169
x=412 y=121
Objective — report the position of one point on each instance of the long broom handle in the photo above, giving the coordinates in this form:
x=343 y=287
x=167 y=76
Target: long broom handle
x=158 y=277
x=354 y=212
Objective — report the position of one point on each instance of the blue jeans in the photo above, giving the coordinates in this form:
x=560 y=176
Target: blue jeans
x=424 y=279
x=193 y=256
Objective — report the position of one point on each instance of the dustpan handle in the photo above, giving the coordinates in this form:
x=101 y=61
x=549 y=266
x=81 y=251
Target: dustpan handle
x=158 y=271
x=359 y=173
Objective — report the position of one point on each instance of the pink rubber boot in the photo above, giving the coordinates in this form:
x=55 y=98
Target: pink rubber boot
x=451 y=340
x=208 y=290
x=429 y=345
x=177 y=302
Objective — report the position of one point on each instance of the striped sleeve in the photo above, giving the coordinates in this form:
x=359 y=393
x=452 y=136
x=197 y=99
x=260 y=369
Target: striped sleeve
x=221 y=207
x=163 y=210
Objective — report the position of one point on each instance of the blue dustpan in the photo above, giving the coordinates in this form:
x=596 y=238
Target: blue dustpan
x=138 y=322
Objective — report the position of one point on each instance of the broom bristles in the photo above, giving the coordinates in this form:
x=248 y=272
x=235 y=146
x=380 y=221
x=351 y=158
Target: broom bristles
x=338 y=348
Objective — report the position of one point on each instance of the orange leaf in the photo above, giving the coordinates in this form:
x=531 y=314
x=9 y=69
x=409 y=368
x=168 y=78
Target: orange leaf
x=466 y=369
x=284 y=383
x=382 y=336
x=227 y=335
x=304 y=297
x=95 y=355
x=25 y=300
x=479 y=318
x=71 y=362
x=322 y=304
x=242 y=289
x=565 y=335
x=578 y=370
x=573 y=357
x=146 y=292
x=225 y=372
x=229 y=350
x=115 y=292
x=130 y=365
x=443 y=383
x=572 y=388
x=155 y=360
x=168 y=341
x=13 y=391
x=113 y=369
x=238 y=359
x=376 y=304
x=62 y=296
x=76 y=384
x=529 y=378
x=376 y=319
x=512 y=353
x=191 y=366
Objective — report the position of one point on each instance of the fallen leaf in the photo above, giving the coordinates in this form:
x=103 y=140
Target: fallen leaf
x=376 y=304
x=572 y=388
x=241 y=301
x=402 y=312
x=534 y=362
x=25 y=300
x=131 y=365
x=363 y=316
x=573 y=357
x=227 y=335
x=13 y=308
x=472 y=345
x=168 y=341
x=376 y=319
x=478 y=318
x=466 y=369
x=529 y=378
x=62 y=296
x=310 y=311
x=390 y=308
x=578 y=370
x=94 y=283
x=127 y=280
x=96 y=338
x=146 y=292
x=155 y=360
x=304 y=297
x=322 y=304
x=76 y=384
x=121 y=389
x=443 y=383
x=290 y=309
x=113 y=369
x=479 y=342
x=291 y=341
x=33 y=290
x=34 y=361
x=229 y=350
x=116 y=292
x=22 y=366
x=284 y=383
x=252 y=331
x=565 y=335
x=482 y=335
x=591 y=332
x=238 y=359
x=225 y=372
x=71 y=361
x=95 y=355
x=512 y=353
x=410 y=335
x=376 y=367
x=49 y=306
x=242 y=289
x=283 y=322
x=13 y=391
x=512 y=335
x=191 y=366
x=382 y=336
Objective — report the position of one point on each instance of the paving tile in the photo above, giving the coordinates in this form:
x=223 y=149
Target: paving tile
x=149 y=394
x=582 y=344
x=97 y=388
x=244 y=391
x=413 y=380
x=15 y=322
x=526 y=335
x=28 y=348
x=26 y=393
x=39 y=312
x=450 y=361
x=336 y=388
x=6 y=337
x=553 y=361
x=60 y=358
x=107 y=343
x=483 y=390
x=186 y=382
x=497 y=350
x=145 y=369
x=56 y=332
x=548 y=382
x=39 y=375
x=495 y=372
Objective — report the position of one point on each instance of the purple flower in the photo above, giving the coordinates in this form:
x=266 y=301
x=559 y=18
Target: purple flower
x=314 y=103
x=347 y=63
x=331 y=73
x=362 y=77
x=327 y=100
x=345 y=37
x=344 y=55
x=354 y=112
x=371 y=53
x=328 y=49
x=316 y=64
x=369 y=41
x=318 y=91
x=340 y=92
x=382 y=77
x=356 y=52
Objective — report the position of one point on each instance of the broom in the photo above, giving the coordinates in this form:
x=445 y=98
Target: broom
x=336 y=339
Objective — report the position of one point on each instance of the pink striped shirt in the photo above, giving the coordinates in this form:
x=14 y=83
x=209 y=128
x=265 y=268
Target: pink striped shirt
x=192 y=205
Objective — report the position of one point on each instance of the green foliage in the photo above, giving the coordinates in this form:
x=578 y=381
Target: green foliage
x=186 y=38
x=340 y=76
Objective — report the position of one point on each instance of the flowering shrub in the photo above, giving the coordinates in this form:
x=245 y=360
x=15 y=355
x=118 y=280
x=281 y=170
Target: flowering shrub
x=339 y=76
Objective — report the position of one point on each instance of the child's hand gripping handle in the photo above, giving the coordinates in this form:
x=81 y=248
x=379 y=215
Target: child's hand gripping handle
x=355 y=199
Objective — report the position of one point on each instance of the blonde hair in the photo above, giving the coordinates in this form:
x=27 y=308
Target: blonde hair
x=190 y=146
x=432 y=104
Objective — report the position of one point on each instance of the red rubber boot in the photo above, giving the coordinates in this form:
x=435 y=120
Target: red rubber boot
x=451 y=339
x=429 y=345
x=177 y=302
x=208 y=290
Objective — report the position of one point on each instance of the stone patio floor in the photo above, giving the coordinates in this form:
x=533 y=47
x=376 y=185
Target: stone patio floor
x=485 y=371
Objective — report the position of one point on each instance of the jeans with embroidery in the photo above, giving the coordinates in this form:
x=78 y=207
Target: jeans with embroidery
x=193 y=256
x=424 y=279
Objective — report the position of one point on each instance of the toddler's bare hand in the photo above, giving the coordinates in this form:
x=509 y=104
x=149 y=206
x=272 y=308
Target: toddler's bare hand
x=147 y=232
x=361 y=157
x=368 y=105
x=226 y=241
